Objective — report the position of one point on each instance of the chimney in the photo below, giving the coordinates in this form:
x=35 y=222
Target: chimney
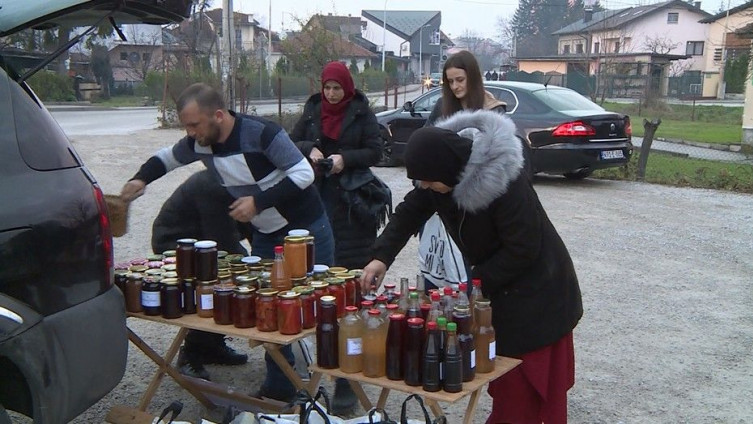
x=587 y=15
x=697 y=4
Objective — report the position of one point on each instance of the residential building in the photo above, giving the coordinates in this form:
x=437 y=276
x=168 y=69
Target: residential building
x=633 y=49
x=131 y=62
x=724 y=43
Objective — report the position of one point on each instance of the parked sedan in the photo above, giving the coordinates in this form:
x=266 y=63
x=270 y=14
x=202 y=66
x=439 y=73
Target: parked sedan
x=564 y=132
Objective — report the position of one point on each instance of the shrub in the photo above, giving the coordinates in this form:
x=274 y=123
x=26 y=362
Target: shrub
x=53 y=87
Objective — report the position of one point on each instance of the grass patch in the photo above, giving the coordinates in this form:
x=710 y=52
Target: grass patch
x=669 y=169
x=121 y=101
x=706 y=124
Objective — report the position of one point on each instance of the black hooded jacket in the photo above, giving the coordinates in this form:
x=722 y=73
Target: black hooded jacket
x=494 y=216
x=361 y=147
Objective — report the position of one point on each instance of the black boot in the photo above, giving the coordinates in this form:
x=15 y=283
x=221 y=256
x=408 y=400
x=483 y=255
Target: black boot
x=189 y=364
x=222 y=354
x=344 y=401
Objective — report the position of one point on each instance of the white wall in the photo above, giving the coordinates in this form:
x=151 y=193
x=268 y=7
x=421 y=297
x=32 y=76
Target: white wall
x=374 y=33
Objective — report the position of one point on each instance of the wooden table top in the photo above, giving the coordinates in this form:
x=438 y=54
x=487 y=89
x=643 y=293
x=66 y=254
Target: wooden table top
x=195 y=322
x=502 y=365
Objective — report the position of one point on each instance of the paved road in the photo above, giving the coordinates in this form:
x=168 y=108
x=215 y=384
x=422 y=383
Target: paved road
x=696 y=152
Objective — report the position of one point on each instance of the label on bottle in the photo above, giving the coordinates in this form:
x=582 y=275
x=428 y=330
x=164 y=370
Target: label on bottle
x=473 y=358
x=150 y=299
x=354 y=346
x=492 y=350
x=207 y=301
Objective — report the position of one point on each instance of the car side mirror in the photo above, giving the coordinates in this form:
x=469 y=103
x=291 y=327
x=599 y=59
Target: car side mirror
x=408 y=106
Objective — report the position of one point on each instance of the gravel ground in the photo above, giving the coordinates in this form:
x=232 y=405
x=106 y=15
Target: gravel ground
x=665 y=274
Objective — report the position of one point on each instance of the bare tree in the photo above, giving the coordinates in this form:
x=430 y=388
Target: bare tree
x=659 y=44
x=312 y=48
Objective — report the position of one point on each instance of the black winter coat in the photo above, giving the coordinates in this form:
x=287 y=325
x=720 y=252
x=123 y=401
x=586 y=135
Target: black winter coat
x=497 y=221
x=360 y=146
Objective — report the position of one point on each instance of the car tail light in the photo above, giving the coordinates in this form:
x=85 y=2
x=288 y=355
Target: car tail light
x=628 y=127
x=573 y=129
x=106 y=234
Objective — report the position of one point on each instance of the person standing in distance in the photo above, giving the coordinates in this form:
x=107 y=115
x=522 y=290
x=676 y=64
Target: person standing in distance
x=257 y=163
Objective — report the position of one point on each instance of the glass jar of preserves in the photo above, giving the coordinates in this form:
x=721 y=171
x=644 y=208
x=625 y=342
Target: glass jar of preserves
x=327 y=331
x=150 y=295
x=289 y=313
x=357 y=281
x=350 y=287
x=320 y=289
x=171 y=298
x=244 y=307
x=266 y=310
x=298 y=282
x=320 y=272
x=223 y=294
x=188 y=291
x=205 y=260
x=121 y=278
x=336 y=288
x=205 y=298
x=247 y=280
x=308 y=306
x=310 y=254
x=225 y=278
x=295 y=256
x=133 y=292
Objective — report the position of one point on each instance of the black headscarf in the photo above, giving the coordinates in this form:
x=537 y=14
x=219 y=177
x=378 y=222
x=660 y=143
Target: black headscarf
x=436 y=154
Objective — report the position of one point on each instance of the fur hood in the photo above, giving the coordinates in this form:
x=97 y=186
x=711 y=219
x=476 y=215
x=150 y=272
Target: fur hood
x=496 y=157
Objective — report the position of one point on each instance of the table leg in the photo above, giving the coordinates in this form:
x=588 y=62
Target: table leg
x=165 y=367
x=435 y=408
x=383 y=398
x=316 y=377
x=274 y=352
x=358 y=390
x=470 y=410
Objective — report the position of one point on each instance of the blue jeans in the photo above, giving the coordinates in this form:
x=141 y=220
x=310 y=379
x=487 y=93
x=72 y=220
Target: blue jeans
x=324 y=250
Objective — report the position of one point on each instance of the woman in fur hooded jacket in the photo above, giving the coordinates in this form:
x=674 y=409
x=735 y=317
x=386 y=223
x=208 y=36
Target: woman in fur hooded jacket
x=470 y=172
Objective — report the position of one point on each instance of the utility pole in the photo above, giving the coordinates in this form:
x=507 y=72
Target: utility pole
x=228 y=62
x=384 y=32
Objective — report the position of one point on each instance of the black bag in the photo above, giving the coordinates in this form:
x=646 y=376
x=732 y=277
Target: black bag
x=367 y=196
x=403 y=412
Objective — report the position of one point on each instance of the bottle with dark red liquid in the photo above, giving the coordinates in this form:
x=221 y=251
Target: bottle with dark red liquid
x=326 y=333
x=431 y=365
x=395 y=346
x=453 y=361
x=414 y=350
x=462 y=317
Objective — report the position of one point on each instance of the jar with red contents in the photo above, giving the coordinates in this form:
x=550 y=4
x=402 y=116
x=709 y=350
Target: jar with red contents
x=336 y=288
x=350 y=287
x=266 y=310
x=289 y=313
x=357 y=281
x=308 y=306
x=320 y=289
x=243 y=307
x=223 y=293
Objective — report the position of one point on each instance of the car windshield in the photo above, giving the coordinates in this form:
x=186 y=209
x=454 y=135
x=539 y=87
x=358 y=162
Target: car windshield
x=562 y=100
x=436 y=76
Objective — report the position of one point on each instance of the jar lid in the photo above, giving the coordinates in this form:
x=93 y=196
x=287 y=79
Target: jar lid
x=344 y=275
x=138 y=268
x=299 y=232
x=318 y=284
x=318 y=268
x=225 y=273
x=483 y=302
x=337 y=269
x=170 y=281
x=224 y=287
x=246 y=279
x=207 y=282
x=251 y=260
x=357 y=272
x=222 y=254
x=350 y=308
x=298 y=281
x=153 y=271
x=303 y=289
x=170 y=260
x=169 y=274
x=234 y=258
x=290 y=294
x=169 y=267
x=330 y=300
x=245 y=290
x=267 y=292
x=187 y=241
x=168 y=253
x=122 y=272
x=155 y=264
x=295 y=239
x=415 y=321
x=389 y=285
x=205 y=244
x=154 y=257
x=135 y=276
x=334 y=281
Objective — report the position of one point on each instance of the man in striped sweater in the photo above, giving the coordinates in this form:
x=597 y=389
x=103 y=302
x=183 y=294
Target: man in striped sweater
x=264 y=172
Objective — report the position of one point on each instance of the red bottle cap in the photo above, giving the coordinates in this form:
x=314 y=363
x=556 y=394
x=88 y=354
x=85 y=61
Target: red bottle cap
x=435 y=296
x=396 y=317
x=278 y=249
x=416 y=321
x=374 y=312
x=350 y=308
x=476 y=282
x=463 y=286
x=447 y=290
x=431 y=325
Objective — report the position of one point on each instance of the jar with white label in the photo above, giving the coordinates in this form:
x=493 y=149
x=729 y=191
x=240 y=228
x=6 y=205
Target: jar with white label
x=150 y=295
x=205 y=298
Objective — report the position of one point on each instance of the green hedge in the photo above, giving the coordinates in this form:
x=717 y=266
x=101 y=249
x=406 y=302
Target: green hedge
x=53 y=87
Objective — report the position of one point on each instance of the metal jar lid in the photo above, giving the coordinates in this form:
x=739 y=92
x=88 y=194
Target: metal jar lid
x=205 y=244
x=290 y=294
x=269 y=292
x=329 y=300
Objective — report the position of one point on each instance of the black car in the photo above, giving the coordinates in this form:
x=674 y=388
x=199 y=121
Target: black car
x=564 y=132
x=63 y=339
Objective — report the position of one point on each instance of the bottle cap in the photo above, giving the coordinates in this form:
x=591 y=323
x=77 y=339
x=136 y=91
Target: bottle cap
x=476 y=282
x=447 y=290
x=389 y=285
x=396 y=317
x=416 y=321
x=391 y=306
x=413 y=295
x=431 y=325
x=452 y=327
x=463 y=286
x=441 y=321
x=374 y=312
x=435 y=296
x=366 y=304
x=351 y=308
x=278 y=249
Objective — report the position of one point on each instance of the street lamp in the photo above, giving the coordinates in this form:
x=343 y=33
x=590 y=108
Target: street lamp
x=420 y=50
x=384 y=32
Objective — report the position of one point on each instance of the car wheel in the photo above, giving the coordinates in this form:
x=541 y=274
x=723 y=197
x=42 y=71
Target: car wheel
x=578 y=175
x=386 y=160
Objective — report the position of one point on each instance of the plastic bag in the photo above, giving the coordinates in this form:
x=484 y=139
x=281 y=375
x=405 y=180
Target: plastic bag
x=439 y=258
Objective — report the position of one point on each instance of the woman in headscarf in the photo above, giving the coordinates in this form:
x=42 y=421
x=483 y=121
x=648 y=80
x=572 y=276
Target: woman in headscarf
x=339 y=133
x=469 y=170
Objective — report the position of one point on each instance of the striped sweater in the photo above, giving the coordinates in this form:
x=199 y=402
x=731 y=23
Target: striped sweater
x=258 y=159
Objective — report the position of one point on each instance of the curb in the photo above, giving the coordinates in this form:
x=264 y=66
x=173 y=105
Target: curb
x=731 y=147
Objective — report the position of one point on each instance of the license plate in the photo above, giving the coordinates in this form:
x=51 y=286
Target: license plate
x=612 y=154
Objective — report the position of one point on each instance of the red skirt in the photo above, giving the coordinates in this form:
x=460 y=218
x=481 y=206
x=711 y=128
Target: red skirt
x=536 y=390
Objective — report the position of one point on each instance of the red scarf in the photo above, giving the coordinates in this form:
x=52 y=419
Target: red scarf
x=333 y=114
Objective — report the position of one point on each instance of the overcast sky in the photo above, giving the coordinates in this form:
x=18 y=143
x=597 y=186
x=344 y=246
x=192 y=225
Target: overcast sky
x=479 y=16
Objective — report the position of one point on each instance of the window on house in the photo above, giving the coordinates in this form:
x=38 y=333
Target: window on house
x=694 y=48
x=673 y=17
x=123 y=56
x=616 y=46
x=566 y=49
x=596 y=47
x=717 y=54
x=579 y=48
